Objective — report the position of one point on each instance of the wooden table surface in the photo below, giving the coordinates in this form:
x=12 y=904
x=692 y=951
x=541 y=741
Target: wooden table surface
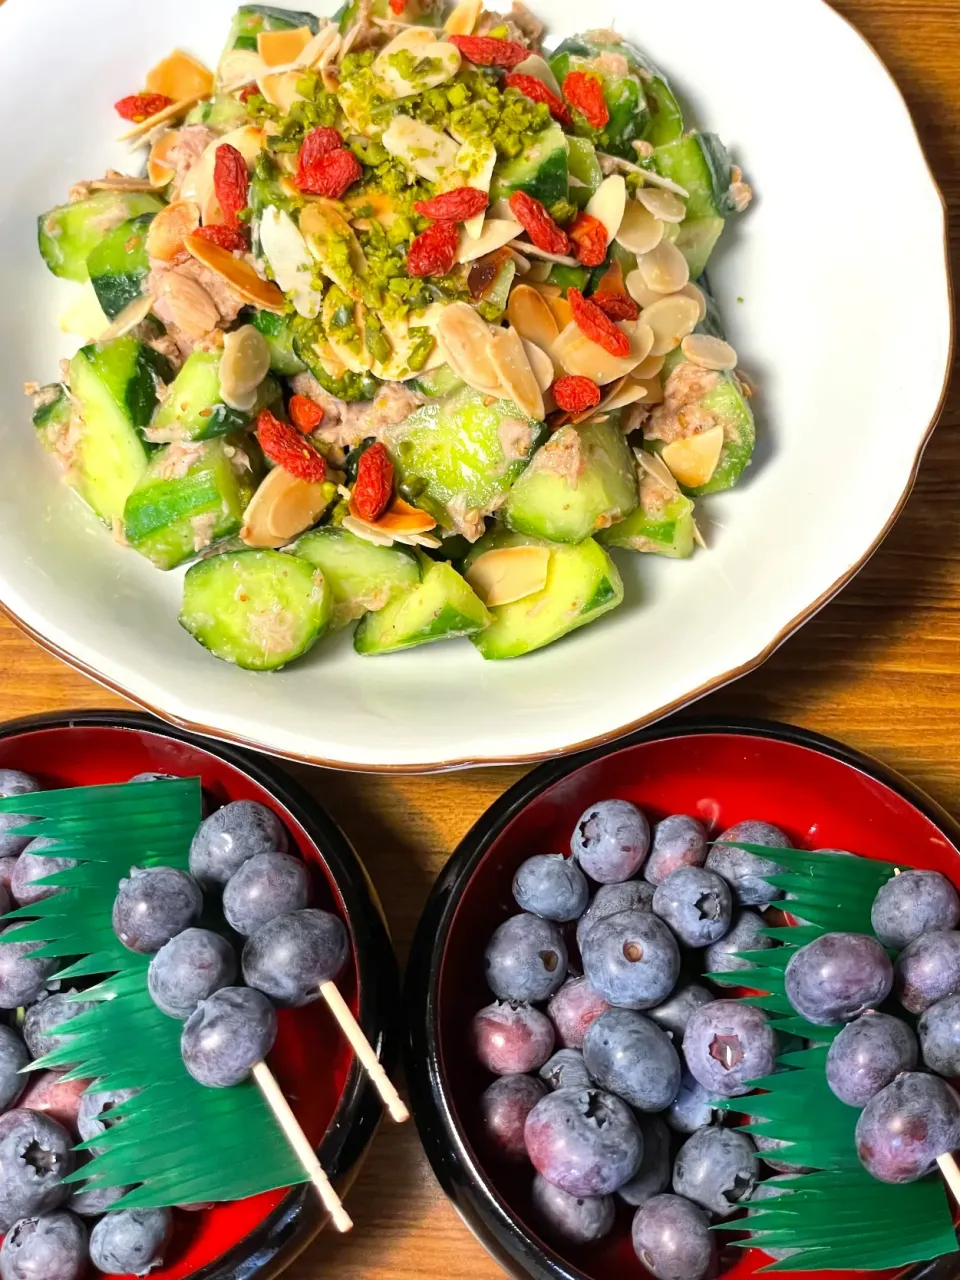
x=879 y=668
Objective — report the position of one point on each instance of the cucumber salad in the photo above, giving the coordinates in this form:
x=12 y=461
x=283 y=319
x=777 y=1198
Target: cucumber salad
x=402 y=325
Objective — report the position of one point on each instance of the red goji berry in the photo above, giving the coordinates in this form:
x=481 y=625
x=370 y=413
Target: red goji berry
x=330 y=175
x=318 y=142
x=454 y=206
x=589 y=237
x=398 y=6
x=230 y=182
x=141 y=106
x=433 y=251
x=585 y=92
x=489 y=51
x=373 y=487
x=305 y=414
x=596 y=326
x=618 y=306
x=230 y=238
x=285 y=446
x=247 y=92
x=573 y=394
x=538 y=224
x=537 y=91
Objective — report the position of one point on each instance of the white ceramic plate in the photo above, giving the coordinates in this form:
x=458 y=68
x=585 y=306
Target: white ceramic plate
x=844 y=323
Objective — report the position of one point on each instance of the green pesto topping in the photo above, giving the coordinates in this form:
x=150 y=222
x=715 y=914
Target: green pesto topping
x=375 y=340
x=562 y=212
x=424 y=344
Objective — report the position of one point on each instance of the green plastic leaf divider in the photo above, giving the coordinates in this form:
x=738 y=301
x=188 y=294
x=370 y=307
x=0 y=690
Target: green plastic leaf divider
x=176 y=1141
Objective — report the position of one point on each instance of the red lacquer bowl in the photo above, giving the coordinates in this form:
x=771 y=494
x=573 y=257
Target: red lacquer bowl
x=820 y=793
x=338 y=1109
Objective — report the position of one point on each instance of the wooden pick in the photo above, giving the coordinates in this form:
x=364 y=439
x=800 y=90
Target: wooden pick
x=364 y=1051
x=951 y=1174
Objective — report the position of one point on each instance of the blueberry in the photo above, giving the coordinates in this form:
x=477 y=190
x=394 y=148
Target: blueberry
x=91 y=1199
x=131 y=1241
x=631 y=959
x=913 y=903
x=630 y=1056
x=13 y=1058
x=92 y=1118
x=765 y=1144
x=679 y=1007
x=586 y=1143
x=566 y=1070
x=610 y=841
x=906 y=1126
x=939 y=1032
x=690 y=1110
x=43 y=1019
x=867 y=1055
x=266 y=886
x=153 y=906
x=149 y=776
x=35 y=1154
x=928 y=969
x=230 y=836
x=744 y=935
x=526 y=959
x=653 y=1176
x=504 y=1108
x=551 y=886
x=33 y=865
x=227 y=1035
x=188 y=969
x=510 y=1038
x=744 y=871
x=696 y=904
x=8 y=866
x=22 y=976
x=672 y=1238
x=727 y=1044
x=51 y=1247
x=678 y=841
x=837 y=977
x=581 y=1219
x=611 y=899
x=15 y=783
x=716 y=1169
x=572 y=1009
x=290 y=956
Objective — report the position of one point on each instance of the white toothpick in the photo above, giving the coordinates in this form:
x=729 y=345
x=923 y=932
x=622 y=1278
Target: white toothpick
x=364 y=1051
x=951 y=1174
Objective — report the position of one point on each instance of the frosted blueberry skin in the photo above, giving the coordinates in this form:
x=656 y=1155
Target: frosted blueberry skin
x=631 y=959
x=290 y=956
x=22 y=977
x=653 y=1176
x=266 y=886
x=587 y=1143
x=227 y=1035
x=50 y=1247
x=15 y=783
x=526 y=959
x=675 y=1012
x=552 y=887
x=35 y=1154
x=611 y=899
x=91 y=1121
x=913 y=903
x=14 y=1056
x=939 y=1032
x=572 y=1009
x=697 y=905
x=44 y=1017
x=906 y=1126
x=611 y=840
x=672 y=1238
x=131 y=1241
x=765 y=1145
x=566 y=1070
x=716 y=1169
x=744 y=871
x=690 y=1110
x=31 y=866
x=230 y=836
x=511 y=1038
x=837 y=977
x=153 y=905
x=630 y=1056
x=727 y=1044
x=928 y=969
x=580 y=1219
x=190 y=968
x=744 y=935
x=867 y=1054
x=678 y=841
x=90 y=1201
x=504 y=1107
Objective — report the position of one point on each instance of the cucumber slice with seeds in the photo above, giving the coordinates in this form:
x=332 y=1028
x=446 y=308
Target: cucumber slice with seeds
x=363 y=577
x=442 y=607
x=69 y=233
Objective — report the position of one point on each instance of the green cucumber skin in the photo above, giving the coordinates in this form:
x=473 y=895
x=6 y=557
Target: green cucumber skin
x=251 y=19
x=193 y=408
x=119 y=265
x=441 y=381
x=132 y=373
x=55 y=414
x=541 y=171
x=359 y=573
x=279 y=335
x=68 y=234
x=665 y=532
x=448 y=623
x=583 y=165
x=441 y=607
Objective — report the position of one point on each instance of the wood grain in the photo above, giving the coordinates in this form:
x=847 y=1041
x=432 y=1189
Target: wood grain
x=880 y=668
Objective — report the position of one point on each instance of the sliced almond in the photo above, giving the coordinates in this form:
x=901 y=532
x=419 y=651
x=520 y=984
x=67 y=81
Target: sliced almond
x=426 y=151
x=652 y=465
x=290 y=260
x=443 y=62
x=160 y=167
x=639 y=231
x=239 y=67
x=629 y=392
x=540 y=363
x=320 y=47
x=172 y=112
x=494 y=235
x=238 y=274
x=400 y=518
x=277 y=48
x=243 y=366
x=133 y=313
x=708 y=352
x=282 y=507
x=562 y=311
x=530 y=315
x=698 y=537
x=120 y=182
x=664 y=269
x=563 y=260
x=326 y=64
x=671 y=319
x=192 y=308
x=539 y=68
x=507 y=574
x=649 y=368
x=694 y=291
x=324 y=355
x=476 y=161
x=653 y=388
x=539 y=271
x=608 y=204
x=694 y=460
x=464 y=339
x=463 y=18
x=325 y=231
x=664 y=205
x=579 y=355
x=640 y=291
x=515 y=373
x=350 y=350
x=180 y=76
x=168 y=232
x=280 y=89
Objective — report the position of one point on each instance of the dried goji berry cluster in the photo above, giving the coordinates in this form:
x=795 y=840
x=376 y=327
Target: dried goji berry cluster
x=230 y=183
x=595 y=325
x=285 y=447
x=537 y=91
x=489 y=51
x=585 y=93
x=141 y=106
x=574 y=394
x=538 y=224
x=324 y=166
x=373 y=487
x=305 y=414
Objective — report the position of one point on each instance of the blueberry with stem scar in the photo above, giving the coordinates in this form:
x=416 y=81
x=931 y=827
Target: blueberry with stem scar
x=266 y=886
x=911 y=904
x=526 y=959
x=672 y=1238
x=611 y=899
x=727 y=1044
x=227 y=1035
x=587 y=1142
x=631 y=959
x=35 y=1155
x=745 y=872
x=905 y=1128
x=716 y=1168
x=696 y=903
x=552 y=887
x=678 y=841
x=130 y=1241
x=188 y=969
x=153 y=906
x=610 y=841
x=50 y=1247
x=290 y=956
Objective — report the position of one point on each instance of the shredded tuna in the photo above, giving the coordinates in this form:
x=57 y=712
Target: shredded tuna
x=634 y=417
x=562 y=455
x=203 y=527
x=42 y=396
x=345 y=425
x=192 y=142
x=179 y=459
x=516 y=438
x=467 y=521
x=228 y=303
x=682 y=414
x=614 y=64
x=521 y=25
x=273 y=629
x=168 y=346
x=654 y=496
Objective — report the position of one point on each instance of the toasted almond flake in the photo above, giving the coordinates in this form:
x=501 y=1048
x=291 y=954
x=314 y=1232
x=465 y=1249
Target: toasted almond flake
x=562 y=311
x=326 y=64
x=539 y=271
x=671 y=319
x=238 y=274
x=507 y=574
x=421 y=43
x=609 y=164
x=325 y=231
x=650 y=368
x=629 y=392
x=639 y=232
x=520 y=262
x=515 y=374
x=524 y=246
x=653 y=388
x=539 y=68
x=180 y=76
x=708 y=352
x=167 y=233
x=691 y=290
x=698 y=537
x=192 y=308
x=643 y=148
x=464 y=339
x=280 y=89
x=662 y=204
x=540 y=363
x=133 y=313
x=426 y=151
x=352 y=353
x=160 y=168
x=243 y=366
x=531 y=316
x=290 y=260
x=402 y=518
x=495 y=234
x=277 y=48
x=476 y=161
x=578 y=355
x=282 y=507
x=664 y=269
x=114 y=181
x=608 y=204
x=239 y=67
x=168 y=113
x=463 y=18
x=640 y=291
x=368 y=532
x=694 y=459
x=654 y=466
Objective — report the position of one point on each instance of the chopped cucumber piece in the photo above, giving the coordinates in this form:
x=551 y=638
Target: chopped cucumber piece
x=429 y=15
x=581 y=481
x=362 y=577
x=349 y=386
x=257 y=609
x=464 y=449
x=222 y=113
x=51 y=412
x=190 y=496
x=441 y=381
x=279 y=335
x=666 y=117
x=568 y=277
x=193 y=408
x=584 y=167
x=440 y=608
x=69 y=233
x=662 y=524
x=119 y=265
x=251 y=19
x=699 y=163
x=114 y=385
x=582 y=585
x=540 y=170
